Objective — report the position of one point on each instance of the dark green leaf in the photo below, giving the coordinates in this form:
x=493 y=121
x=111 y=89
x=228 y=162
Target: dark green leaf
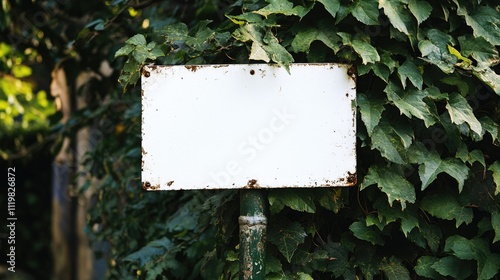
x=409 y=70
x=424 y=267
x=410 y=103
x=495 y=224
x=446 y=206
x=371 y=109
x=146 y=253
x=365 y=50
x=391 y=141
x=484 y=22
x=305 y=36
x=363 y=232
x=394 y=270
x=490 y=126
x=299 y=200
x=392 y=183
x=332 y=6
x=453 y=267
x=287 y=236
x=481 y=50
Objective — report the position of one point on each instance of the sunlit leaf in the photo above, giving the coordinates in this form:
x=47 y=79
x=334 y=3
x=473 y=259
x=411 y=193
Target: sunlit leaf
x=421 y=9
x=461 y=112
x=398 y=15
x=495 y=168
x=366 y=11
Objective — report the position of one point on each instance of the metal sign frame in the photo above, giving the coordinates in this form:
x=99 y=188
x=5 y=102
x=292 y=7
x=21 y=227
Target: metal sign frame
x=248 y=126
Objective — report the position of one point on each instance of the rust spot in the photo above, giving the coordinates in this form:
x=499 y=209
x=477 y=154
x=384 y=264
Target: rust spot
x=352 y=178
x=169 y=183
x=145 y=73
x=147 y=186
x=252 y=72
x=143 y=151
x=252 y=184
x=192 y=67
x=153 y=67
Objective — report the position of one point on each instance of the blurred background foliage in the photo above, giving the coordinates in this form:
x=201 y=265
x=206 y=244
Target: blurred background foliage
x=428 y=135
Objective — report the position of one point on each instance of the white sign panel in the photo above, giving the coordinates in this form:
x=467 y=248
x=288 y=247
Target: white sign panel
x=248 y=126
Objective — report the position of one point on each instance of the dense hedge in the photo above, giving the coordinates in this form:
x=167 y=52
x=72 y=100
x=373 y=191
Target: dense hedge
x=427 y=204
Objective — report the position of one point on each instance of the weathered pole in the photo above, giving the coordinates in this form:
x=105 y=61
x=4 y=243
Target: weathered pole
x=253 y=223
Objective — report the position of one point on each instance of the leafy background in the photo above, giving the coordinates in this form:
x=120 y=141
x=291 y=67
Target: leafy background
x=427 y=201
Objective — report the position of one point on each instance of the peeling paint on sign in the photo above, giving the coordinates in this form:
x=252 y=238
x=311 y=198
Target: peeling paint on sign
x=248 y=126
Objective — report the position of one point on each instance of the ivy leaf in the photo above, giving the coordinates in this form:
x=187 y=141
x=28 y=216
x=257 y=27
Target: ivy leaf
x=332 y=199
x=176 y=33
x=453 y=267
x=332 y=6
x=495 y=168
x=153 y=248
x=268 y=42
x=461 y=112
x=481 y=50
x=445 y=206
x=365 y=50
x=137 y=40
x=489 y=77
x=392 y=141
x=424 y=267
x=305 y=36
x=283 y=7
x=399 y=17
x=258 y=53
x=410 y=103
x=125 y=50
x=363 y=232
x=394 y=270
x=495 y=223
x=409 y=70
x=287 y=236
x=299 y=200
x=371 y=111
x=484 y=22
x=366 y=11
x=391 y=182
x=490 y=126
x=432 y=165
x=477 y=249
x=435 y=50
x=420 y=9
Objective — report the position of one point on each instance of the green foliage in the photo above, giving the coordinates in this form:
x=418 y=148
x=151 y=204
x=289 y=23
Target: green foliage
x=428 y=131
x=427 y=203
x=23 y=109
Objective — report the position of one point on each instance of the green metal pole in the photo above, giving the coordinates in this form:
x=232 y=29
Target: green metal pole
x=253 y=224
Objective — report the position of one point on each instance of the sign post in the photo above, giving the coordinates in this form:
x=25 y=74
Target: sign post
x=248 y=127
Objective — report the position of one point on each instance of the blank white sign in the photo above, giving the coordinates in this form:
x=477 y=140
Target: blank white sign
x=248 y=126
